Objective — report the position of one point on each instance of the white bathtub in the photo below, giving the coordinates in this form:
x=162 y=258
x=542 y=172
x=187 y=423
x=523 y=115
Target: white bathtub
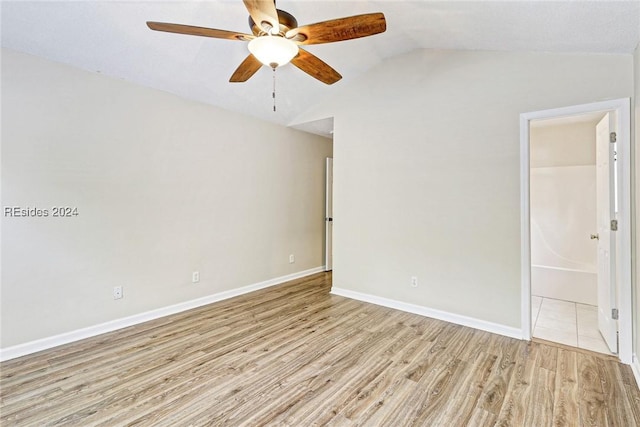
x=563 y=215
x=565 y=284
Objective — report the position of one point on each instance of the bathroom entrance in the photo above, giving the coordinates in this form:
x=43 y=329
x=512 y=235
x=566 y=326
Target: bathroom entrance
x=575 y=282
x=564 y=229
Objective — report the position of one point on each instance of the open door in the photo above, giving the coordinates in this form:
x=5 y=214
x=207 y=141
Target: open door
x=328 y=217
x=605 y=194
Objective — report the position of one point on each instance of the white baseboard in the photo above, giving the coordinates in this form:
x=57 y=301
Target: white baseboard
x=91 y=331
x=635 y=367
x=433 y=313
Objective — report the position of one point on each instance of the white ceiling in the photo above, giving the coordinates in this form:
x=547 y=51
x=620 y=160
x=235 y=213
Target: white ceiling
x=111 y=37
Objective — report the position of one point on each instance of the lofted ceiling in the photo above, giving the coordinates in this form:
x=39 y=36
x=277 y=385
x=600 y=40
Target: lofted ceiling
x=110 y=37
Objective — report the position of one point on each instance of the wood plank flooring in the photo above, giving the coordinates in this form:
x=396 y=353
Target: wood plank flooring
x=295 y=355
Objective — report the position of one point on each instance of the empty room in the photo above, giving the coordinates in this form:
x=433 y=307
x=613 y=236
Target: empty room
x=320 y=212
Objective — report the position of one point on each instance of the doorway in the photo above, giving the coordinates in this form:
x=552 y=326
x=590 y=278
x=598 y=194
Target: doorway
x=328 y=216
x=576 y=269
x=563 y=178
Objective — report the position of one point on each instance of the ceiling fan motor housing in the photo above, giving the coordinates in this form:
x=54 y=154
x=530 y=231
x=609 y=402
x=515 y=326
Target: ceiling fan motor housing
x=286 y=20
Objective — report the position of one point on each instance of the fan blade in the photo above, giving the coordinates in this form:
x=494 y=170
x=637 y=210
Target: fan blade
x=198 y=31
x=315 y=67
x=247 y=69
x=263 y=12
x=336 y=30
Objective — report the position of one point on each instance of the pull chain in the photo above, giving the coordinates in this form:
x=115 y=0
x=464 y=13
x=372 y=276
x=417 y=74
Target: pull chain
x=273 y=94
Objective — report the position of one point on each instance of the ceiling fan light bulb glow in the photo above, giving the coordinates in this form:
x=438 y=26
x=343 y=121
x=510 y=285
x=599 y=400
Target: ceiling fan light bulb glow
x=274 y=51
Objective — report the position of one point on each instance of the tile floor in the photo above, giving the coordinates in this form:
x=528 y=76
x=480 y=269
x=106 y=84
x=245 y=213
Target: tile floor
x=567 y=323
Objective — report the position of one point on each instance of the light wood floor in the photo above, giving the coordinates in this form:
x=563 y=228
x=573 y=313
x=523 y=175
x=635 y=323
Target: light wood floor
x=295 y=355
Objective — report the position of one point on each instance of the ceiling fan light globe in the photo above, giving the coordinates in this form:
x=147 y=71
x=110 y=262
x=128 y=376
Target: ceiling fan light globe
x=273 y=51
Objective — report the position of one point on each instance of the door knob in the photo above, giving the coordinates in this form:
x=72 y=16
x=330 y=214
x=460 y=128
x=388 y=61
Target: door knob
x=595 y=237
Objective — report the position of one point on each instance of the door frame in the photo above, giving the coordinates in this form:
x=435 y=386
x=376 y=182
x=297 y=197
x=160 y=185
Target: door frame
x=622 y=108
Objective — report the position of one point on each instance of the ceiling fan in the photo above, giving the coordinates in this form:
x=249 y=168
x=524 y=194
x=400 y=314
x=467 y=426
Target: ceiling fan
x=276 y=38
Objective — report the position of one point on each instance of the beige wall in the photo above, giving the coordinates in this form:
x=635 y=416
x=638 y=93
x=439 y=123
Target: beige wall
x=567 y=144
x=427 y=171
x=163 y=187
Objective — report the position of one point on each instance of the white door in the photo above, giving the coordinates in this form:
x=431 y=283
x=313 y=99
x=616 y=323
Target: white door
x=328 y=217
x=605 y=193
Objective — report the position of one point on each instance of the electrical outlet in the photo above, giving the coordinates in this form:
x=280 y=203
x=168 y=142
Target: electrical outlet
x=195 y=277
x=414 y=281
x=292 y=259
x=117 y=292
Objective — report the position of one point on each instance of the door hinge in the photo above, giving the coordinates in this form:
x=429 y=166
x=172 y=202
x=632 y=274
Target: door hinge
x=614 y=314
x=613 y=137
x=614 y=225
